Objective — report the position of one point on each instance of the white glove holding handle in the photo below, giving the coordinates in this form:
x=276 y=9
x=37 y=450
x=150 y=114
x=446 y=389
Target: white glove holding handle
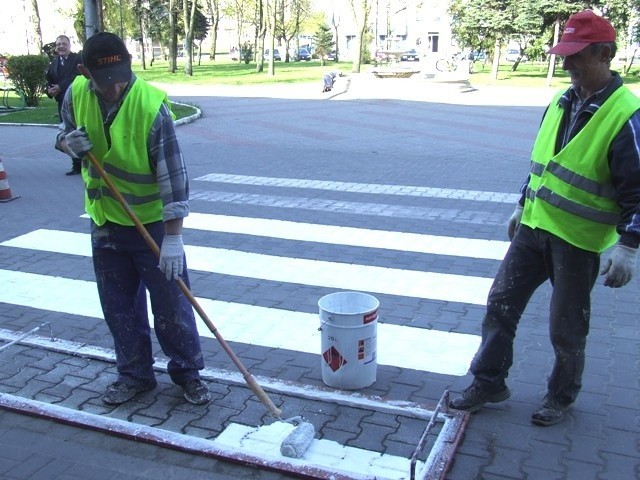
x=620 y=267
x=172 y=256
x=514 y=221
x=78 y=142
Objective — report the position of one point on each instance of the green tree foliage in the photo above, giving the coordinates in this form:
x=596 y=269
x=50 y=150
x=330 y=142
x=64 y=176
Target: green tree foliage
x=27 y=72
x=324 y=41
x=201 y=29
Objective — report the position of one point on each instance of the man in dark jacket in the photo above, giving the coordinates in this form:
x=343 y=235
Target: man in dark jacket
x=582 y=197
x=62 y=70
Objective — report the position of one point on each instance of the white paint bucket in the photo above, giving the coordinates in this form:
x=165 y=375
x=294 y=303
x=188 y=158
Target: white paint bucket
x=348 y=322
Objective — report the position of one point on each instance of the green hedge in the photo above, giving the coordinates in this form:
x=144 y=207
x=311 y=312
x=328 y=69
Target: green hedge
x=28 y=74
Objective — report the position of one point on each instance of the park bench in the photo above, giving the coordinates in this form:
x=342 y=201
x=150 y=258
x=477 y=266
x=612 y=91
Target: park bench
x=7 y=103
x=395 y=73
x=7 y=88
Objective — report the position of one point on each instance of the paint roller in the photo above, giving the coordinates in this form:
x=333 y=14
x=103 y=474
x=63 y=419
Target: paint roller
x=299 y=440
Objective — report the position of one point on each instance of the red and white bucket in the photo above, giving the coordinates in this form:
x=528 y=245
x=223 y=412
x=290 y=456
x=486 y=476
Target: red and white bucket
x=348 y=325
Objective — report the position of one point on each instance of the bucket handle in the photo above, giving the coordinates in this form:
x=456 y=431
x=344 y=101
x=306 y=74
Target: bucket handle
x=322 y=322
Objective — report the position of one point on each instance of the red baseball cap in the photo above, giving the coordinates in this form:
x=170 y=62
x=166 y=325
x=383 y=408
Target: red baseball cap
x=581 y=30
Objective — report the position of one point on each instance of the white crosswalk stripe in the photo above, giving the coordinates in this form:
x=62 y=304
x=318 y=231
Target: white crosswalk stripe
x=432 y=350
x=436 y=286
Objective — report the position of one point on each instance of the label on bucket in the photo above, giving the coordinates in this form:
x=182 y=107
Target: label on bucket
x=366 y=350
x=370 y=317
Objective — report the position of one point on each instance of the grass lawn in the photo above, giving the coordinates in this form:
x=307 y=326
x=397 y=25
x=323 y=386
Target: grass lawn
x=534 y=74
x=226 y=72
x=46 y=113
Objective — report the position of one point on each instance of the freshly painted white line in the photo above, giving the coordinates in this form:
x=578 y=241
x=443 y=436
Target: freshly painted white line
x=268 y=438
x=340 y=276
x=406 y=347
x=358 y=237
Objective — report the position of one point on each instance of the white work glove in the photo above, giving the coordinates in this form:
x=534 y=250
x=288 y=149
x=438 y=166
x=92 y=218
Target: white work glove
x=172 y=256
x=620 y=266
x=78 y=142
x=514 y=221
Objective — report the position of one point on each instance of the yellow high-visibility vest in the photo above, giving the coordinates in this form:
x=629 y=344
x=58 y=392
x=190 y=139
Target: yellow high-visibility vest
x=570 y=193
x=126 y=159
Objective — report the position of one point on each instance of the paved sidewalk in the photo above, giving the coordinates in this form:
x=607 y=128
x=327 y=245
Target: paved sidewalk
x=415 y=157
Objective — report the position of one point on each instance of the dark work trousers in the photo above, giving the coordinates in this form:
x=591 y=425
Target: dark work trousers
x=76 y=163
x=534 y=256
x=124 y=266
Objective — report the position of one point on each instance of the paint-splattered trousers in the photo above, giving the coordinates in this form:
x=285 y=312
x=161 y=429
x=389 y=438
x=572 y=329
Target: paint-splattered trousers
x=124 y=266
x=533 y=257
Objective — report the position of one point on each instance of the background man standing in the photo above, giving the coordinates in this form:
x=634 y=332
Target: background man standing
x=60 y=75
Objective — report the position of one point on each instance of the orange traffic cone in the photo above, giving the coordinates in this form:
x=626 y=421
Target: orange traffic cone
x=5 y=191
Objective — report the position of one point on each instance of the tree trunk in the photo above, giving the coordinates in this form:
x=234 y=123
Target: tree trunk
x=272 y=35
x=36 y=25
x=552 y=58
x=361 y=15
x=189 y=20
x=496 y=59
x=214 y=13
x=173 y=38
x=142 y=52
x=214 y=39
x=629 y=62
x=260 y=36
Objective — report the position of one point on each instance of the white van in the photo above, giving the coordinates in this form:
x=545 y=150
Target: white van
x=513 y=54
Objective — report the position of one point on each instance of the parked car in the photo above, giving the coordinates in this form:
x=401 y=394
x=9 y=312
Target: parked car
x=331 y=56
x=478 y=56
x=410 y=56
x=303 y=55
x=513 y=54
x=276 y=55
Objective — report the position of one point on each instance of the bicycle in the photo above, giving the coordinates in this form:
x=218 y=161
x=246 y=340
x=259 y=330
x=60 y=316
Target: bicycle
x=447 y=64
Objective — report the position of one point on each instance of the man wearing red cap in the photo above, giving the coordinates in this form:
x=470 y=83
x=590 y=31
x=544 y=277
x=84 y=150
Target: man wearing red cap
x=582 y=196
x=128 y=125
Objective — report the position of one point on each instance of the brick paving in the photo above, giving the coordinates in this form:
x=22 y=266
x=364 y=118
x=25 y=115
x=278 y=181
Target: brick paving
x=389 y=134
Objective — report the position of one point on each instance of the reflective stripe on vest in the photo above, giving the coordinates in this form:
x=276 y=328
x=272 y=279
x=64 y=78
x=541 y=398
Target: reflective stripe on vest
x=570 y=193
x=126 y=160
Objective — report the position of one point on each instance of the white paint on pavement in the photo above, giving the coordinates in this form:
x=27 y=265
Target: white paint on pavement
x=326 y=453
x=430 y=350
x=336 y=275
x=357 y=237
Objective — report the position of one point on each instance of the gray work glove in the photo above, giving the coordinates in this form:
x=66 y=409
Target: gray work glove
x=620 y=266
x=514 y=221
x=172 y=256
x=78 y=142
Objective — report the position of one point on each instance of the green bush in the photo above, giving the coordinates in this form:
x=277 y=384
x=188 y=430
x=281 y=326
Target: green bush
x=27 y=72
x=247 y=52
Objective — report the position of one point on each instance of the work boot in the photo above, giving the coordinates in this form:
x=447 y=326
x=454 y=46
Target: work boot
x=196 y=391
x=476 y=395
x=121 y=392
x=550 y=413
